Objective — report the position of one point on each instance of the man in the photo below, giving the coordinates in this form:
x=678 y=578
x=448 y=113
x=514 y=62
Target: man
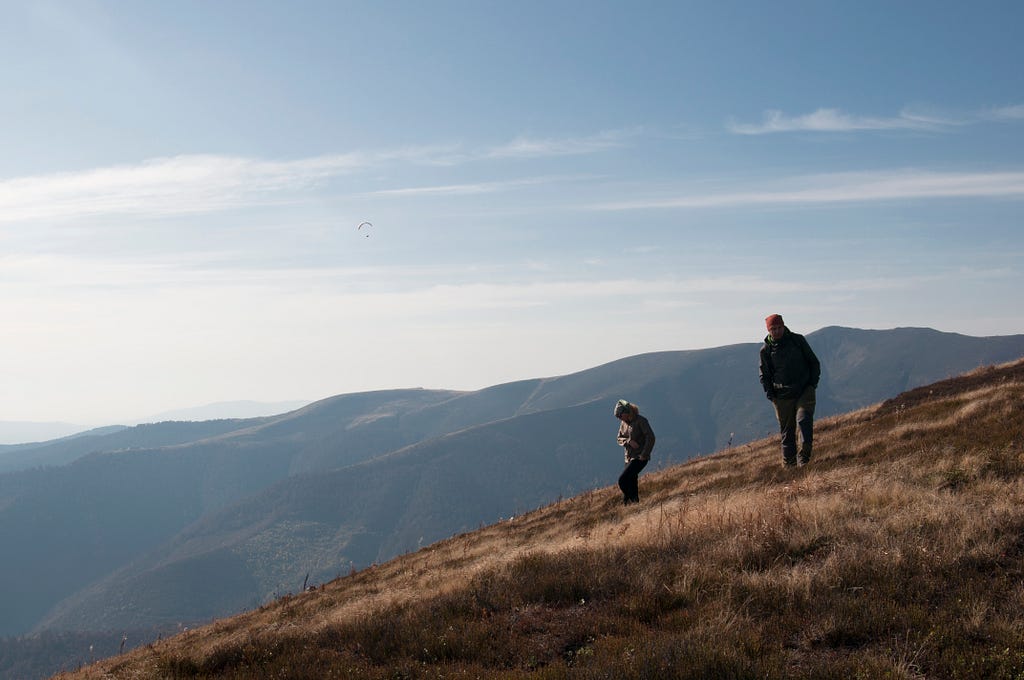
x=637 y=440
x=789 y=374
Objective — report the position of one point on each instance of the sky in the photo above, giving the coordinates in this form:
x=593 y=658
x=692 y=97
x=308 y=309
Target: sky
x=550 y=185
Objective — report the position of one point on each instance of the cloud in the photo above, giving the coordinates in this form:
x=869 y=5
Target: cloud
x=405 y=291
x=524 y=147
x=206 y=183
x=459 y=189
x=847 y=188
x=834 y=120
x=1015 y=112
x=163 y=186
x=474 y=187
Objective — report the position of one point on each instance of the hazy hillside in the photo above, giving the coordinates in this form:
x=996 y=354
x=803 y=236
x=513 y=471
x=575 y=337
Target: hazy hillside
x=182 y=533
x=16 y=433
x=115 y=438
x=228 y=410
x=107 y=508
x=860 y=364
x=897 y=554
x=324 y=524
x=318 y=421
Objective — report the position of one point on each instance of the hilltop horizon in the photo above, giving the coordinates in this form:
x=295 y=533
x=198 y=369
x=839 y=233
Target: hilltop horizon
x=36 y=431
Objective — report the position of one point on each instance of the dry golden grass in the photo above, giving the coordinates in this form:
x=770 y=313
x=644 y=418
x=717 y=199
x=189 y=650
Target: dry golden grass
x=898 y=553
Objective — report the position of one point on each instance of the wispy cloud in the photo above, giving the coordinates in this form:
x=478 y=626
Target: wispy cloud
x=525 y=147
x=206 y=183
x=847 y=187
x=177 y=185
x=522 y=147
x=459 y=189
x=474 y=187
x=1009 y=112
x=834 y=120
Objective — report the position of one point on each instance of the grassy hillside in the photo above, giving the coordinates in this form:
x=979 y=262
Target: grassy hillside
x=110 y=507
x=899 y=553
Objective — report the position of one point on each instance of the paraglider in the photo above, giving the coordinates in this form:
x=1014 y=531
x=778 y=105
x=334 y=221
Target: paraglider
x=364 y=224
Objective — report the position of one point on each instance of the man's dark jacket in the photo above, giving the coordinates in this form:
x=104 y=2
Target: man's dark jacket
x=788 y=366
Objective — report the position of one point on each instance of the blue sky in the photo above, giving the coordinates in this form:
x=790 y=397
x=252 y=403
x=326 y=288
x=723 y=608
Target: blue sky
x=551 y=186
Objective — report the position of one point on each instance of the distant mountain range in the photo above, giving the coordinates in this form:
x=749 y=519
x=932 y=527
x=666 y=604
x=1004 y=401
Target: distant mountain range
x=14 y=432
x=169 y=523
x=227 y=409
x=24 y=434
